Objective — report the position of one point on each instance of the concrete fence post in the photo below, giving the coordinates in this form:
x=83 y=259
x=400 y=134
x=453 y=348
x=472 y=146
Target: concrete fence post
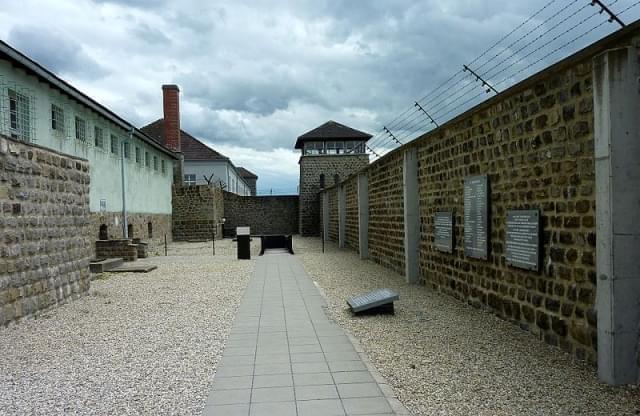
x=411 y=215
x=342 y=215
x=325 y=215
x=363 y=215
x=616 y=76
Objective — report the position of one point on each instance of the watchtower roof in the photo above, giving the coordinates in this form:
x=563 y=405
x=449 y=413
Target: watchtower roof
x=332 y=130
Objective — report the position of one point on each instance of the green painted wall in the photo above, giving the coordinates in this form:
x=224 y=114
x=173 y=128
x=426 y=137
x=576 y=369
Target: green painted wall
x=148 y=190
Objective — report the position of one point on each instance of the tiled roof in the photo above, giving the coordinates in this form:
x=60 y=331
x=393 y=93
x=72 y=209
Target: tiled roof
x=331 y=130
x=192 y=148
x=245 y=173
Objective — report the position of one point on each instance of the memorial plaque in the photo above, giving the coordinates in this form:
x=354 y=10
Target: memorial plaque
x=476 y=217
x=522 y=248
x=443 y=221
x=372 y=300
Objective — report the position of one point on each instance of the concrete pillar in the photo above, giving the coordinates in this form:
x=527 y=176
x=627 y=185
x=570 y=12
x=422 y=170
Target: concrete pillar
x=617 y=151
x=325 y=215
x=363 y=215
x=411 y=215
x=342 y=215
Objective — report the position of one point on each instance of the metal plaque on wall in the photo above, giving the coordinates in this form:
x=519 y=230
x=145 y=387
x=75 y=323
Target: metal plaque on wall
x=522 y=239
x=476 y=217
x=444 y=221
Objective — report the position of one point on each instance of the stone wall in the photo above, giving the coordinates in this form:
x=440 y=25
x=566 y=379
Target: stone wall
x=351 y=205
x=333 y=213
x=311 y=167
x=386 y=213
x=535 y=142
x=111 y=249
x=197 y=212
x=264 y=214
x=149 y=228
x=46 y=245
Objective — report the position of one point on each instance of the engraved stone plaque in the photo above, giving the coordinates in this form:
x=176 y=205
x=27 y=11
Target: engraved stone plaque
x=372 y=300
x=522 y=245
x=443 y=221
x=476 y=217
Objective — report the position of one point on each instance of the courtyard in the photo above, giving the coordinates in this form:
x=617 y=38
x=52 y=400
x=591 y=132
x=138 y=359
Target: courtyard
x=155 y=343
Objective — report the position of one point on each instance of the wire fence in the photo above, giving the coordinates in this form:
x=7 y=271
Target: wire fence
x=557 y=29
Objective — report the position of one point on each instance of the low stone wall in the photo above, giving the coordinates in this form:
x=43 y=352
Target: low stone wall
x=264 y=214
x=110 y=249
x=197 y=212
x=149 y=228
x=45 y=246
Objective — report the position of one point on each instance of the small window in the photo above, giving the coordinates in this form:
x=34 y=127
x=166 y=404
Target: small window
x=138 y=155
x=98 y=137
x=126 y=149
x=150 y=229
x=114 y=145
x=103 y=233
x=130 y=230
x=162 y=167
x=81 y=129
x=155 y=163
x=19 y=116
x=322 y=180
x=190 y=179
x=57 y=119
x=147 y=159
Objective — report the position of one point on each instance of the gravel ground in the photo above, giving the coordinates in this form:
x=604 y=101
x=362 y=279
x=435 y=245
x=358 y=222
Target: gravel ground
x=444 y=357
x=141 y=344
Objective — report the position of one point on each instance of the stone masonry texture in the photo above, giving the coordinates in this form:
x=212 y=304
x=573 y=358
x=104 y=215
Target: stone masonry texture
x=535 y=142
x=351 y=223
x=45 y=246
x=264 y=214
x=149 y=228
x=311 y=167
x=197 y=212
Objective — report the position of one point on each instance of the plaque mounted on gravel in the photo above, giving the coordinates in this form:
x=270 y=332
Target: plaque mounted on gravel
x=522 y=239
x=443 y=222
x=476 y=217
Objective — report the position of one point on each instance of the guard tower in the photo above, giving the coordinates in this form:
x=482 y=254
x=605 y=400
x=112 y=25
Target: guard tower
x=330 y=153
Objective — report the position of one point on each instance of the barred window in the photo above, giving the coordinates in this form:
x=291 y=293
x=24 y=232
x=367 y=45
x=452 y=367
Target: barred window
x=190 y=179
x=138 y=155
x=98 y=137
x=57 y=118
x=155 y=163
x=162 y=167
x=19 y=116
x=127 y=149
x=147 y=159
x=81 y=129
x=114 y=145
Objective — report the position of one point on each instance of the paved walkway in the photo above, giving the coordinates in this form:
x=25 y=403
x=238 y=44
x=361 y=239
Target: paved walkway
x=284 y=357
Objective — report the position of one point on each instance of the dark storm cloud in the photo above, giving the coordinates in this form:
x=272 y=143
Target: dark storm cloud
x=56 y=51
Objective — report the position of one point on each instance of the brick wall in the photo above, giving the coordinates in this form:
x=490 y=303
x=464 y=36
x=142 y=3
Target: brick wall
x=333 y=213
x=386 y=213
x=45 y=246
x=311 y=167
x=264 y=214
x=197 y=212
x=535 y=142
x=351 y=202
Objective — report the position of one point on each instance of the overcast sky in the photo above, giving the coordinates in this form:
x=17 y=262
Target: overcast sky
x=254 y=75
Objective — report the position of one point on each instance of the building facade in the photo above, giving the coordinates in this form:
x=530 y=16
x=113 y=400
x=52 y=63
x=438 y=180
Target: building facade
x=251 y=179
x=330 y=153
x=38 y=107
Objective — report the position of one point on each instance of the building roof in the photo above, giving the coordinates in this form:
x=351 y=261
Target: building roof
x=331 y=130
x=20 y=60
x=245 y=173
x=192 y=148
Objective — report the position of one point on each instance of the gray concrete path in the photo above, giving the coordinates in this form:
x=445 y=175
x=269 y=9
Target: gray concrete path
x=284 y=357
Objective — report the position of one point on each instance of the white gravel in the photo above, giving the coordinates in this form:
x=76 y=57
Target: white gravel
x=444 y=357
x=137 y=344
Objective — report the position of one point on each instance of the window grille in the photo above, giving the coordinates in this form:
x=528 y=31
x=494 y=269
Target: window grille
x=98 y=137
x=20 y=109
x=147 y=159
x=190 y=179
x=114 y=145
x=81 y=129
x=57 y=119
x=162 y=167
x=155 y=163
x=138 y=155
x=126 y=148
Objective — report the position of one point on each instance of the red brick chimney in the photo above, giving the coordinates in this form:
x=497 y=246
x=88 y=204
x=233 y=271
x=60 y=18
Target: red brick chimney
x=171 y=106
